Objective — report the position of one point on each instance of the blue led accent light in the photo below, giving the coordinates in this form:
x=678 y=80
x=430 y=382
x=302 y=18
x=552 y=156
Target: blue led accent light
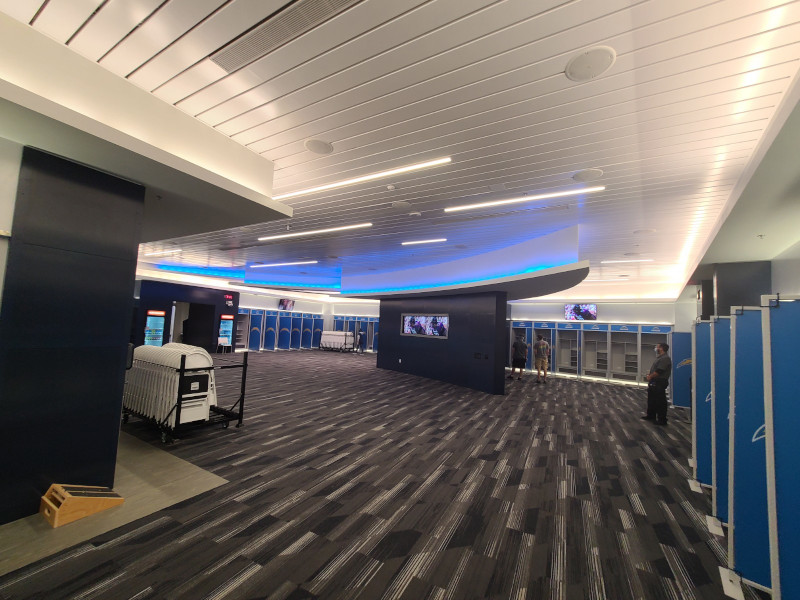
x=209 y=271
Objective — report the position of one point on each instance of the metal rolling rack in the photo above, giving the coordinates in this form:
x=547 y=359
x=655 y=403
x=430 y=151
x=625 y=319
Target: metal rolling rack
x=217 y=414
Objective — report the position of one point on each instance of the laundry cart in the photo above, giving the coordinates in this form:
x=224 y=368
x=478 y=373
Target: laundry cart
x=173 y=386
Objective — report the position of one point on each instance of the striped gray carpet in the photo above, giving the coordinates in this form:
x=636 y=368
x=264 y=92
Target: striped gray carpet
x=357 y=483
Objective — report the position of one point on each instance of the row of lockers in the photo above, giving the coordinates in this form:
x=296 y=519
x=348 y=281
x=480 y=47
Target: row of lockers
x=259 y=329
x=367 y=326
x=607 y=350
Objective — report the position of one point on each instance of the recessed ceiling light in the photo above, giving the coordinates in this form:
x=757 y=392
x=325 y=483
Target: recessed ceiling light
x=318 y=146
x=590 y=63
x=163 y=252
x=313 y=232
x=633 y=260
x=632 y=254
x=423 y=242
x=530 y=198
x=588 y=175
x=401 y=204
x=371 y=177
x=640 y=231
x=289 y=264
x=415 y=213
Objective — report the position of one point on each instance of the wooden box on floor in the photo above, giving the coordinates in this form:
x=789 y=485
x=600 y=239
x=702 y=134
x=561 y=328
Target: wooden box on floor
x=64 y=504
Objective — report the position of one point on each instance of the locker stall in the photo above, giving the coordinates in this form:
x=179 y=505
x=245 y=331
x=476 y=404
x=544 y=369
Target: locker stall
x=316 y=334
x=284 y=330
x=594 y=355
x=256 y=330
x=568 y=359
x=748 y=531
x=307 y=331
x=525 y=330
x=780 y=332
x=338 y=323
x=624 y=352
x=297 y=325
x=651 y=335
x=270 y=330
x=720 y=407
x=701 y=407
x=242 y=328
x=546 y=330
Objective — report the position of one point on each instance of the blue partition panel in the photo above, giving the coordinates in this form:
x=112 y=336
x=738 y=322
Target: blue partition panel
x=297 y=325
x=682 y=369
x=317 y=333
x=748 y=547
x=720 y=408
x=271 y=330
x=284 y=331
x=781 y=330
x=256 y=324
x=701 y=384
x=307 y=331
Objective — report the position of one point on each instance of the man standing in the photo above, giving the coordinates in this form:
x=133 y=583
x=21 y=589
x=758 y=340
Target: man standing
x=541 y=352
x=519 y=358
x=657 y=383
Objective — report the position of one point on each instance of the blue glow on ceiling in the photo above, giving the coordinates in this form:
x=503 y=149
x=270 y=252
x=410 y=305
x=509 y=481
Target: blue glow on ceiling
x=450 y=283
x=208 y=271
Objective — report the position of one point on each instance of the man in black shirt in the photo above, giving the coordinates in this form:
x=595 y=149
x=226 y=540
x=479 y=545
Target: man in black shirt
x=657 y=383
x=519 y=358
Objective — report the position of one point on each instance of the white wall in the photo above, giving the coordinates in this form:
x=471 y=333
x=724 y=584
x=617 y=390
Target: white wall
x=609 y=312
x=271 y=303
x=687 y=309
x=10 y=161
x=786 y=272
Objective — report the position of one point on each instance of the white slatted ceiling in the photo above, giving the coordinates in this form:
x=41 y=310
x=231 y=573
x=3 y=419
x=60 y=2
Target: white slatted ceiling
x=674 y=124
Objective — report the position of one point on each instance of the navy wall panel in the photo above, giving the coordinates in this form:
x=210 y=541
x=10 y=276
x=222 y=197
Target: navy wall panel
x=64 y=327
x=473 y=354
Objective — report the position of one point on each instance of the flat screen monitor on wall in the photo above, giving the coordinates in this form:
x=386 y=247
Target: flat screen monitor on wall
x=437 y=326
x=580 y=312
x=285 y=304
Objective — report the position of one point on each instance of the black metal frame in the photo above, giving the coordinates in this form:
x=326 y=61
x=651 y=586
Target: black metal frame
x=218 y=414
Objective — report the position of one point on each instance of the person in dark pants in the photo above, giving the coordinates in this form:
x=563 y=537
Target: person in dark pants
x=657 y=383
x=519 y=358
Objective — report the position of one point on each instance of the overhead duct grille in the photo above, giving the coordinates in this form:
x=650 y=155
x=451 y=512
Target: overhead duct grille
x=300 y=17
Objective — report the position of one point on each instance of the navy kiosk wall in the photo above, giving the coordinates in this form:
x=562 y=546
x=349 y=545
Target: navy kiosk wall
x=681 y=350
x=701 y=407
x=297 y=325
x=256 y=330
x=720 y=408
x=270 y=330
x=748 y=532
x=780 y=332
x=284 y=330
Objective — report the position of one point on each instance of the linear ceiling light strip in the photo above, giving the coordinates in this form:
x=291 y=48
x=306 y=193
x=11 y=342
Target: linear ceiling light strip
x=313 y=232
x=528 y=198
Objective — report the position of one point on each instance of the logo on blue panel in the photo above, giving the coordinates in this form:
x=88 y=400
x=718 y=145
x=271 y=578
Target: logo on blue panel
x=708 y=398
x=760 y=433
x=685 y=362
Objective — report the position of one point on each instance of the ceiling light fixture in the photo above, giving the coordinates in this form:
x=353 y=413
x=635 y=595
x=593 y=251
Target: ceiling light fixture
x=632 y=260
x=313 y=232
x=373 y=176
x=289 y=264
x=530 y=198
x=162 y=252
x=423 y=242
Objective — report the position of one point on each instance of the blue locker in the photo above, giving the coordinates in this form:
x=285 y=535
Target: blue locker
x=720 y=408
x=307 y=331
x=256 y=323
x=271 y=330
x=546 y=331
x=284 y=330
x=748 y=534
x=338 y=324
x=781 y=330
x=526 y=329
x=317 y=332
x=701 y=406
x=681 y=351
x=297 y=325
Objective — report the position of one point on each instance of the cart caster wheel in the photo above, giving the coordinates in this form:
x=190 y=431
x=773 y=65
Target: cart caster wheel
x=224 y=424
x=125 y=418
x=165 y=439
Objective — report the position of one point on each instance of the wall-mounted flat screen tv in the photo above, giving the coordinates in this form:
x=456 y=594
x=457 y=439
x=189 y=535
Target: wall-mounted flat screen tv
x=580 y=312
x=285 y=304
x=437 y=326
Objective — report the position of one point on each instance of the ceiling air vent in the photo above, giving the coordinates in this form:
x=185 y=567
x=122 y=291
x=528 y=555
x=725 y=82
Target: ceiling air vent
x=288 y=24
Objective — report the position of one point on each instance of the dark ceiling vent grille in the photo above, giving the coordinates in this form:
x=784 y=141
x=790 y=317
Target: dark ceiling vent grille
x=300 y=17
